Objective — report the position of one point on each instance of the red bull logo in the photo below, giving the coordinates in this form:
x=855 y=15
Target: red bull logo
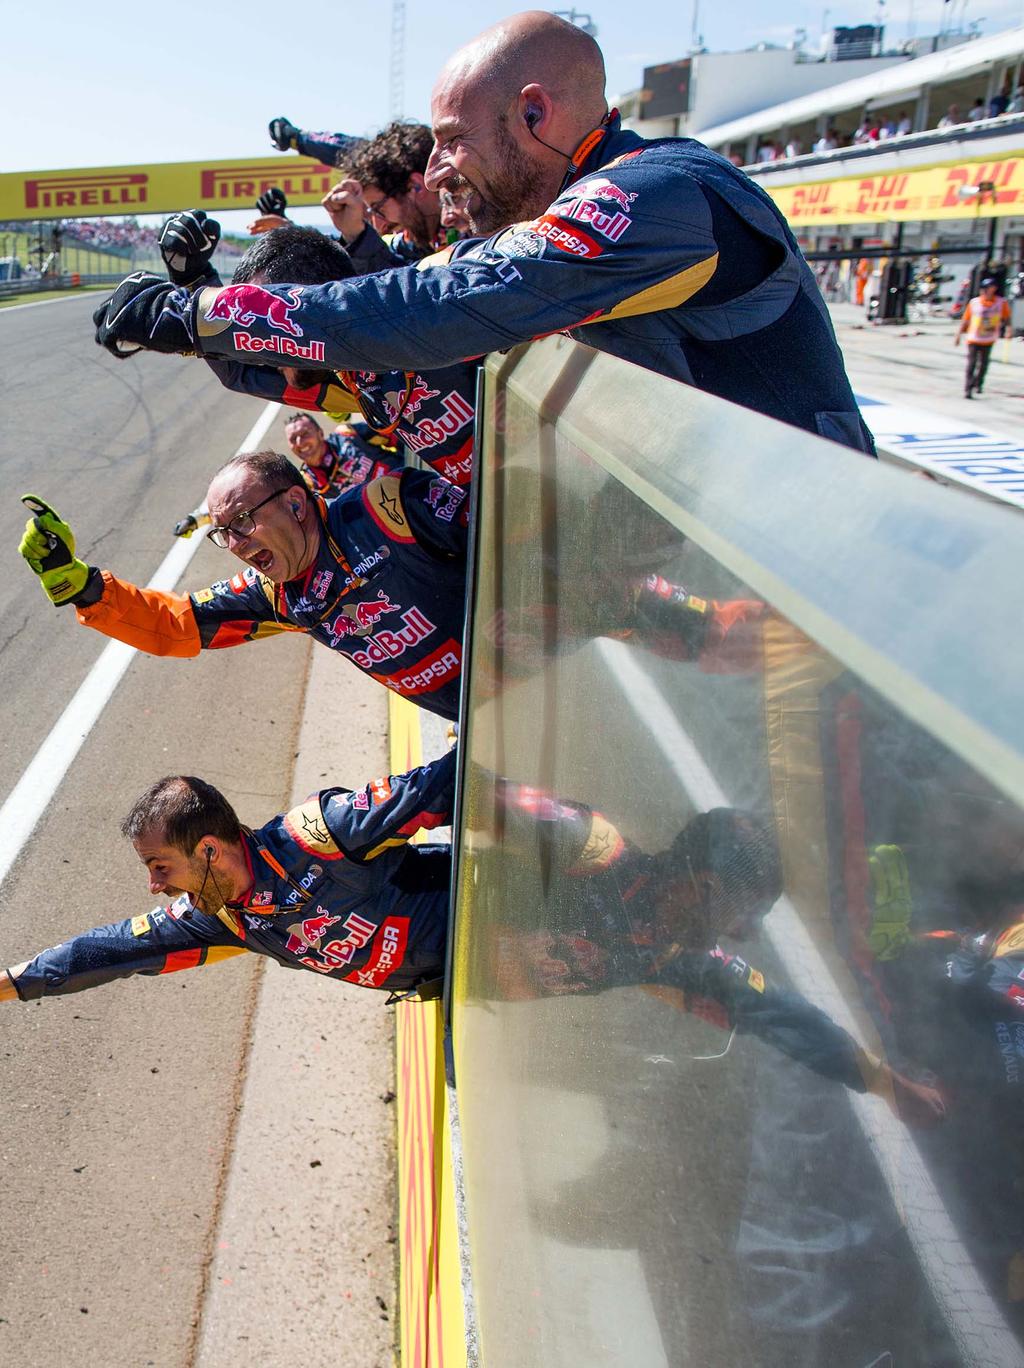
x=359 y=619
x=603 y=189
x=245 y=303
x=309 y=932
x=404 y=405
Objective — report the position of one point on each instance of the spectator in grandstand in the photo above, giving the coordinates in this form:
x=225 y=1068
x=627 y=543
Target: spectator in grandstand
x=660 y=252
x=766 y=152
x=999 y=101
x=904 y=124
x=951 y=118
x=794 y=148
x=1016 y=104
x=862 y=133
x=886 y=128
x=827 y=142
x=377 y=575
x=986 y=318
x=977 y=110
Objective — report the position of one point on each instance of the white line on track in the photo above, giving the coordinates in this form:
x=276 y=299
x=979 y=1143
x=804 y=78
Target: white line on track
x=979 y=1329
x=60 y=299
x=31 y=795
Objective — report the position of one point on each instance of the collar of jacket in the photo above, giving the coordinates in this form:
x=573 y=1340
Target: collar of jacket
x=590 y=150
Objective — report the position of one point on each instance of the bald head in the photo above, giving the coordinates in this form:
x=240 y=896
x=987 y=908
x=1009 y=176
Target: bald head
x=534 y=48
x=509 y=110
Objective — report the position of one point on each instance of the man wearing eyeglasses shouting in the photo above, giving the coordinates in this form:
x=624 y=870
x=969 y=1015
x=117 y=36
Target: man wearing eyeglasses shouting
x=379 y=575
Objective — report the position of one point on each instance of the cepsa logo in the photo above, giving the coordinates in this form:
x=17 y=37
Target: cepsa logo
x=86 y=191
x=224 y=183
x=567 y=238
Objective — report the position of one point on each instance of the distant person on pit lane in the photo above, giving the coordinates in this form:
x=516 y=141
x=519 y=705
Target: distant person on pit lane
x=986 y=318
x=332 y=886
x=657 y=251
x=377 y=575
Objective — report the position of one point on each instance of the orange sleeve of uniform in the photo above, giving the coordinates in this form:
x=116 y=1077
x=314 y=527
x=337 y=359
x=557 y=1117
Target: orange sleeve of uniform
x=148 y=619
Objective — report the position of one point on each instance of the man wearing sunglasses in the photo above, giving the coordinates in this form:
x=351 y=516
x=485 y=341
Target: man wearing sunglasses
x=378 y=575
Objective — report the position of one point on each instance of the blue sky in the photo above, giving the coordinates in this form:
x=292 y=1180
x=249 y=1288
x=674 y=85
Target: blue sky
x=123 y=83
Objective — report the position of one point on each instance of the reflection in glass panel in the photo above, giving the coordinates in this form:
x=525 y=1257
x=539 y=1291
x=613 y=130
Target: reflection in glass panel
x=739 y=1001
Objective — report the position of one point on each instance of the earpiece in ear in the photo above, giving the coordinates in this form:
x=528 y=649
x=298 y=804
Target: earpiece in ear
x=532 y=117
x=295 y=509
x=208 y=852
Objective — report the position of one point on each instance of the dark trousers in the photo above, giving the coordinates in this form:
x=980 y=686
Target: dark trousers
x=978 y=358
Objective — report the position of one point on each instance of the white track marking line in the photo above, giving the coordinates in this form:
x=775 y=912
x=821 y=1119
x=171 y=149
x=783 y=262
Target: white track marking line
x=976 y=1323
x=31 y=795
x=38 y=303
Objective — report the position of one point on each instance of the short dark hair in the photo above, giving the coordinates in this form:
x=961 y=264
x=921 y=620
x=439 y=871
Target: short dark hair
x=184 y=809
x=273 y=469
x=389 y=159
x=301 y=413
x=294 y=256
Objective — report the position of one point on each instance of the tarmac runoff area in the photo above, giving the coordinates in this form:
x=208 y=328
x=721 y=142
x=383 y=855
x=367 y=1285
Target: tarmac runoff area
x=909 y=382
x=304 y=1268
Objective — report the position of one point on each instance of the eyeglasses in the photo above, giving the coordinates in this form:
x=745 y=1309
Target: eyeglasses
x=377 y=210
x=242 y=524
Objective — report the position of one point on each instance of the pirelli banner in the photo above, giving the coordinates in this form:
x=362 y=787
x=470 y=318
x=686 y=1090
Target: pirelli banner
x=949 y=190
x=161 y=188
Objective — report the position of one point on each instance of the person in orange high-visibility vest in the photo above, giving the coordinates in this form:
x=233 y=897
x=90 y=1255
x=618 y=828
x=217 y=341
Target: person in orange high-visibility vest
x=986 y=318
x=863 y=275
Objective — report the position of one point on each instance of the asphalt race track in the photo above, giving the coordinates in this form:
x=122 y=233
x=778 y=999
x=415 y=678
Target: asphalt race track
x=118 y=1104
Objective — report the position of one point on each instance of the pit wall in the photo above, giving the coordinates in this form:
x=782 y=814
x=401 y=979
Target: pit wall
x=744 y=759
x=432 y=1324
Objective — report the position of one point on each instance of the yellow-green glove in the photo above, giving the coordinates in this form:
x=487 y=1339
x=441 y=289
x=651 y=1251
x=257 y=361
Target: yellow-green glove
x=49 y=547
x=890 y=925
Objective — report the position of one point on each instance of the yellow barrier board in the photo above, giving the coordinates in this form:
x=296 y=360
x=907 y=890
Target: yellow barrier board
x=432 y=1323
x=969 y=189
x=162 y=188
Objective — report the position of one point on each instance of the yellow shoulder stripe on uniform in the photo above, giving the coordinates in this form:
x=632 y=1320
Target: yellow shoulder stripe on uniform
x=306 y=826
x=667 y=294
x=215 y=953
x=383 y=499
x=440 y=258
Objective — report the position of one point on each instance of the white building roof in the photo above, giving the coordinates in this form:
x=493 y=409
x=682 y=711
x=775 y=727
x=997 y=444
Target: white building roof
x=880 y=88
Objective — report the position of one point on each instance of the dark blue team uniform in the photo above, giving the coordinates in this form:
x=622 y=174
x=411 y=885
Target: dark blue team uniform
x=335 y=889
x=660 y=252
x=387 y=590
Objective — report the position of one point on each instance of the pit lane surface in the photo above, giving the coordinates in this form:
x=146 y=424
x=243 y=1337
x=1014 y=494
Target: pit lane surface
x=119 y=1103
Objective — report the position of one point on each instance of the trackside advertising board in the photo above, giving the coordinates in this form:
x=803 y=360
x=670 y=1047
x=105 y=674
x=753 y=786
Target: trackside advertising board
x=969 y=189
x=161 y=188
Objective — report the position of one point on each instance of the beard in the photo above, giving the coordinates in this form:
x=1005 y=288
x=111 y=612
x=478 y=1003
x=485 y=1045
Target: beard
x=515 y=190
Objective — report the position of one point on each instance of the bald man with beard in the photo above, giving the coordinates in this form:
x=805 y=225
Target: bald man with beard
x=657 y=251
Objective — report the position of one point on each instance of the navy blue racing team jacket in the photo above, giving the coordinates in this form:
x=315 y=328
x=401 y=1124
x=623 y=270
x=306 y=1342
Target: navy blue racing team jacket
x=335 y=889
x=660 y=252
x=387 y=590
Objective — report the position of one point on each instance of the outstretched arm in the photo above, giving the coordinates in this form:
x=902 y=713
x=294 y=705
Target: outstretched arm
x=160 y=942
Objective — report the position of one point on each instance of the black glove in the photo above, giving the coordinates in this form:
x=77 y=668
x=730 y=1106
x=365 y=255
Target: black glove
x=147 y=313
x=283 y=133
x=187 y=242
x=272 y=201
